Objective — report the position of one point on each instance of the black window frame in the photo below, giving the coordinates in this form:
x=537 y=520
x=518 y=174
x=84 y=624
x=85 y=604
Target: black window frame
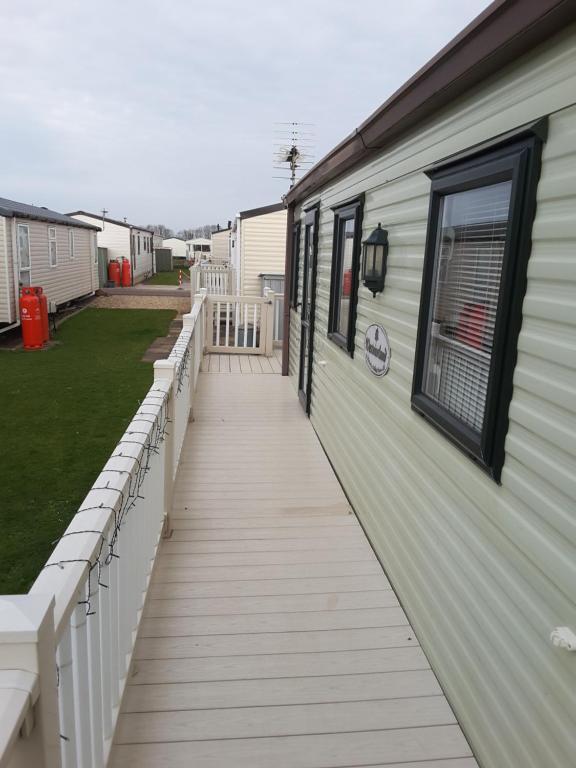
x=352 y=209
x=518 y=161
x=296 y=237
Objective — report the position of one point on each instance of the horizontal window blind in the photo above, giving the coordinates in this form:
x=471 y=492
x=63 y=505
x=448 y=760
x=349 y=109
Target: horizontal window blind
x=466 y=287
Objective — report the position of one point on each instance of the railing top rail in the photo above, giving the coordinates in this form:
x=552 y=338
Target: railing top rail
x=231 y=299
x=224 y=267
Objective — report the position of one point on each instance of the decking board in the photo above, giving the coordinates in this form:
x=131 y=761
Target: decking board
x=271 y=635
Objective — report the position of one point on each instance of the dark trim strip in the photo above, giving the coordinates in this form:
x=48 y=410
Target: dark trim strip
x=110 y=221
x=506 y=30
x=261 y=211
x=287 y=291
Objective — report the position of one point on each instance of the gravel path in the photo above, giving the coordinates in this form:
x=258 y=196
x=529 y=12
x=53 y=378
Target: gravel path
x=142 y=302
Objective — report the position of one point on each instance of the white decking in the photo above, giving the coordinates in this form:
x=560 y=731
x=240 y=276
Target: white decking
x=217 y=363
x=271 y=636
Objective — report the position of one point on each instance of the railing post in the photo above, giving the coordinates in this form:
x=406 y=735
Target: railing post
x=28 y=650
x=268 y=321
x=194 y=280
x=164 y=371
x=203 y=317
x=189 y=324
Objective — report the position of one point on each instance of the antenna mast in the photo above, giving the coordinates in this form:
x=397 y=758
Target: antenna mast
x=293 y=149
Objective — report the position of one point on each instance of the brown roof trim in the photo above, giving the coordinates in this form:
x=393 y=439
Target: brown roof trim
x=261 y=211
x=503 y=32
x=99 y=217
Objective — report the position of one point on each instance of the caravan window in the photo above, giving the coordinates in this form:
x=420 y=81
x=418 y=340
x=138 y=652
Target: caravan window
x=52 y=250
x=344 y=281
x=24 y=254
x=474 y=279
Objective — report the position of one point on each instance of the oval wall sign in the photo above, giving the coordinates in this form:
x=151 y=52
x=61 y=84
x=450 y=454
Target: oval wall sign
x=377 y=350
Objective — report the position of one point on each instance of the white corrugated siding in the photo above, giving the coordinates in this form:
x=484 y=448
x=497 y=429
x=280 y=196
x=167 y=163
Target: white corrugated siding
x=263 y=249
x=113 y=237
x=221 y=245
x=71 y=277
x=484 y=571
x=116 y=239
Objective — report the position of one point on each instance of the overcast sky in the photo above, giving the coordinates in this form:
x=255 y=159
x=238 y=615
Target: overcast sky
x=163 y=111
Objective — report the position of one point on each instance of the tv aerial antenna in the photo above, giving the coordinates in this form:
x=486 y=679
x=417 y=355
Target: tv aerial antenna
x=293 y=149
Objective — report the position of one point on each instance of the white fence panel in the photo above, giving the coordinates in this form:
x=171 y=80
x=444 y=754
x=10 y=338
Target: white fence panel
x=240 y=324
x=218 y=280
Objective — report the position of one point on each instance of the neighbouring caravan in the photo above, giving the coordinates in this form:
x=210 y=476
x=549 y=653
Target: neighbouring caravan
x=198 y=249
x=177 y=245
x=44 y=248
x=259 y=246
x=447 y=401
x=124 y=241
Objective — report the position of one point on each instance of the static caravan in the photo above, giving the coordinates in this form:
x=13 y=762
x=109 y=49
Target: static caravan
x=259 y=246
x=430 y=333
x=177 y=245
x=47 y=249
x=199 y=249
x=124 y=241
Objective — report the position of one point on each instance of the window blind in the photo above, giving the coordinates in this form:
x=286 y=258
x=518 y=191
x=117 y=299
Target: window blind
x=466 y=287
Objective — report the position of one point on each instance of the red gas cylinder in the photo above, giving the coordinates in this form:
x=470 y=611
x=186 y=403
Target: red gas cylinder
x=31 y=319
x=43 y=311
x=347 y=283
x=126 y=276
x=114 y=272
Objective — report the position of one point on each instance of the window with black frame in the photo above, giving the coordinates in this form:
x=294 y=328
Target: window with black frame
x=295 y=266
x=344 y=281
x=474 y=280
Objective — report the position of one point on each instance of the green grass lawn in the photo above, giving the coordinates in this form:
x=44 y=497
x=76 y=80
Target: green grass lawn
x=63 y=411
x=168 y=278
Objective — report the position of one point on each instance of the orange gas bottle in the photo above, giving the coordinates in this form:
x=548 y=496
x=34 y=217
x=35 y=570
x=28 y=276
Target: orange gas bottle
x=43 y=311
x=126 y=274
x=114 y=272
x=31 y=319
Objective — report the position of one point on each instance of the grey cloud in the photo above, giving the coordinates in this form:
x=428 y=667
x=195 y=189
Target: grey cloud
x=164 y=111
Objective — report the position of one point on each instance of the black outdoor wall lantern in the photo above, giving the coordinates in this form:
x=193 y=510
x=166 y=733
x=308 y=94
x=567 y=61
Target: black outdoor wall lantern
x=374 y=258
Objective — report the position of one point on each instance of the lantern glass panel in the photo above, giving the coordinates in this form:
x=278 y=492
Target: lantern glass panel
x=368 y=261
x=378 y=260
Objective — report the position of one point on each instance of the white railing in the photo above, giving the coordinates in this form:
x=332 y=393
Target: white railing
x=66 y=647
x=240 y=324
x=218 y=280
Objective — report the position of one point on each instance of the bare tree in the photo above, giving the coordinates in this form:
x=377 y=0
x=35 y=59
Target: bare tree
x=190 y=233
x=186 y=233
x=161 y=230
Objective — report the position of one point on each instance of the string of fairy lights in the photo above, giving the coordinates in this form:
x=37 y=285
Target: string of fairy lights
x=154 y=409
